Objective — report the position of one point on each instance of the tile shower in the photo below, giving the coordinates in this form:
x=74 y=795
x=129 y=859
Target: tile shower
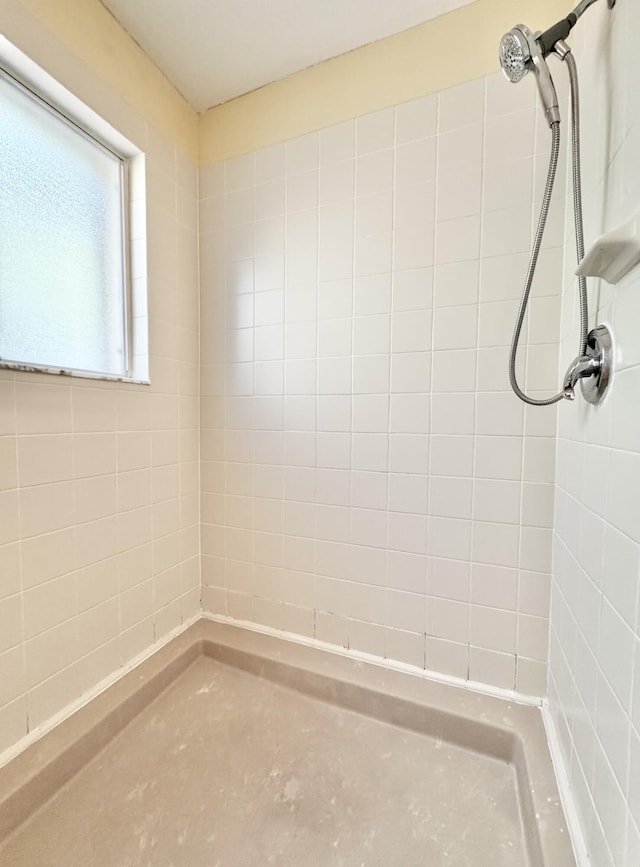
x=330 y=447
x=368 y=479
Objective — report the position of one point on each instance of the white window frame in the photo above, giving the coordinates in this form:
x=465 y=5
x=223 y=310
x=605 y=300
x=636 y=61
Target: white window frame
x=24 y=73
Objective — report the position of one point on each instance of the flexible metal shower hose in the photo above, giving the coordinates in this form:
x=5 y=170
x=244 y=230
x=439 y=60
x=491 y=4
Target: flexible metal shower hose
x=542 y=222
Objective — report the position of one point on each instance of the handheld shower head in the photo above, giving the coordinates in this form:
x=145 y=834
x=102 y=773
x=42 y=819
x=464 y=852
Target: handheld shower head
x=514 y=55
x=520 y=53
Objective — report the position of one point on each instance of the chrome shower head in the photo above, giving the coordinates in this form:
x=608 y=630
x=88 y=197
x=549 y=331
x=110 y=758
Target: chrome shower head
x=521 y=52
x=515 y=55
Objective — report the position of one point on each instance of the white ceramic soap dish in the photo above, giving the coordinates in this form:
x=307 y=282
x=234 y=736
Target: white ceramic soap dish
x=614 y=254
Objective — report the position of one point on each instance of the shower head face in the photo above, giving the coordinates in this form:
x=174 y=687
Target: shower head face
x=515 y=55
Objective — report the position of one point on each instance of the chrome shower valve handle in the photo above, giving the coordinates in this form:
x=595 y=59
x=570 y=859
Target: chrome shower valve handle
x=581 y=367
x=593 y=369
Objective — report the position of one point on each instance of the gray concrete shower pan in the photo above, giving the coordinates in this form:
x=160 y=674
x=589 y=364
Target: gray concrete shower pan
x=233 y=749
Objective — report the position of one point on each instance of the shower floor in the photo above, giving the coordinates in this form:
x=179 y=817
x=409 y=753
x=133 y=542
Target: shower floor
x=226 y=768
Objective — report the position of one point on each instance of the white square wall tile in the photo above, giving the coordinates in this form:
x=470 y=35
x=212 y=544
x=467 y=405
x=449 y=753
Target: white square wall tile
x=369 y=490
x=337 y=142
x=408 y=533
x=337 y=181
x=508 y=184
x=456 y=283
x=496 y=544
x=494 y=586
x=417 y=119
x=498 y=457
x=240 y=172
x=448 y=620
x=510 y=137
x=492 y=667
x=460 y=152
x=452 y=413
x=336 y=241
x=374 y=214
x=302 y=250
x=506 y=232
x=624 y=478
x=448 y=579
x=449 y=538
x=406 y=571
x=371 y=374
x=408 y=493
x=457 y=240
x=493 y=629
x=451 y=455
x=409 y=413
x=334 y=337
x=414 y=205
x=270 y=163
x=372 y=295
x=455 y=327
x=621 y=573
x=375 y=132
x=416 y=163
x=497 y=501
x=335 y=299
x=413 y=247
x=370 y=452
x=374 y=172
x=334 y=413
x=370 y=413
x=462 y=105
x=270 y=199
x=411 y=372
x=499 y=415
x=303 y=153
x=368 y=527
x=372 y=335
x=454 y=370
x=450 y=497
x=411 y=331
x=409 y=453
x=459 y=195
x=334 y=376
x=302 y=191
x=412 y=290
x=503 y=98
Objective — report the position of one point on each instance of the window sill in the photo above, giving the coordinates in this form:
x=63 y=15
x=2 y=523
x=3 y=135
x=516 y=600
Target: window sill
x=79 y=374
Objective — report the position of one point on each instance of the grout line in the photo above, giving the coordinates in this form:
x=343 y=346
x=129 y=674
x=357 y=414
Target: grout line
x=390 y=373
x=318 y=209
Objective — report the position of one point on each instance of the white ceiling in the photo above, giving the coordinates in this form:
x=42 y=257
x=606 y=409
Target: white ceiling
x=214 y=50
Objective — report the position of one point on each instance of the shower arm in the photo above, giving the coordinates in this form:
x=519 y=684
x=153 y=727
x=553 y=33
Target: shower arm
x=582 y=7
x=560 y=31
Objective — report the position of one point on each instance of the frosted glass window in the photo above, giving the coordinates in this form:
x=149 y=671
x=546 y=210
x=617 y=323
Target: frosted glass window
x=62 y=278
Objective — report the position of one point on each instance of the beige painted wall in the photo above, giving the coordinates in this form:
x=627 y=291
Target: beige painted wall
x=433 y=56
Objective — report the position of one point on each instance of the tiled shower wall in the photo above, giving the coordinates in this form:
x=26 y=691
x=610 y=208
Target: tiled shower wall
x=368 y=479
x=594 y=686
x=99 y=481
